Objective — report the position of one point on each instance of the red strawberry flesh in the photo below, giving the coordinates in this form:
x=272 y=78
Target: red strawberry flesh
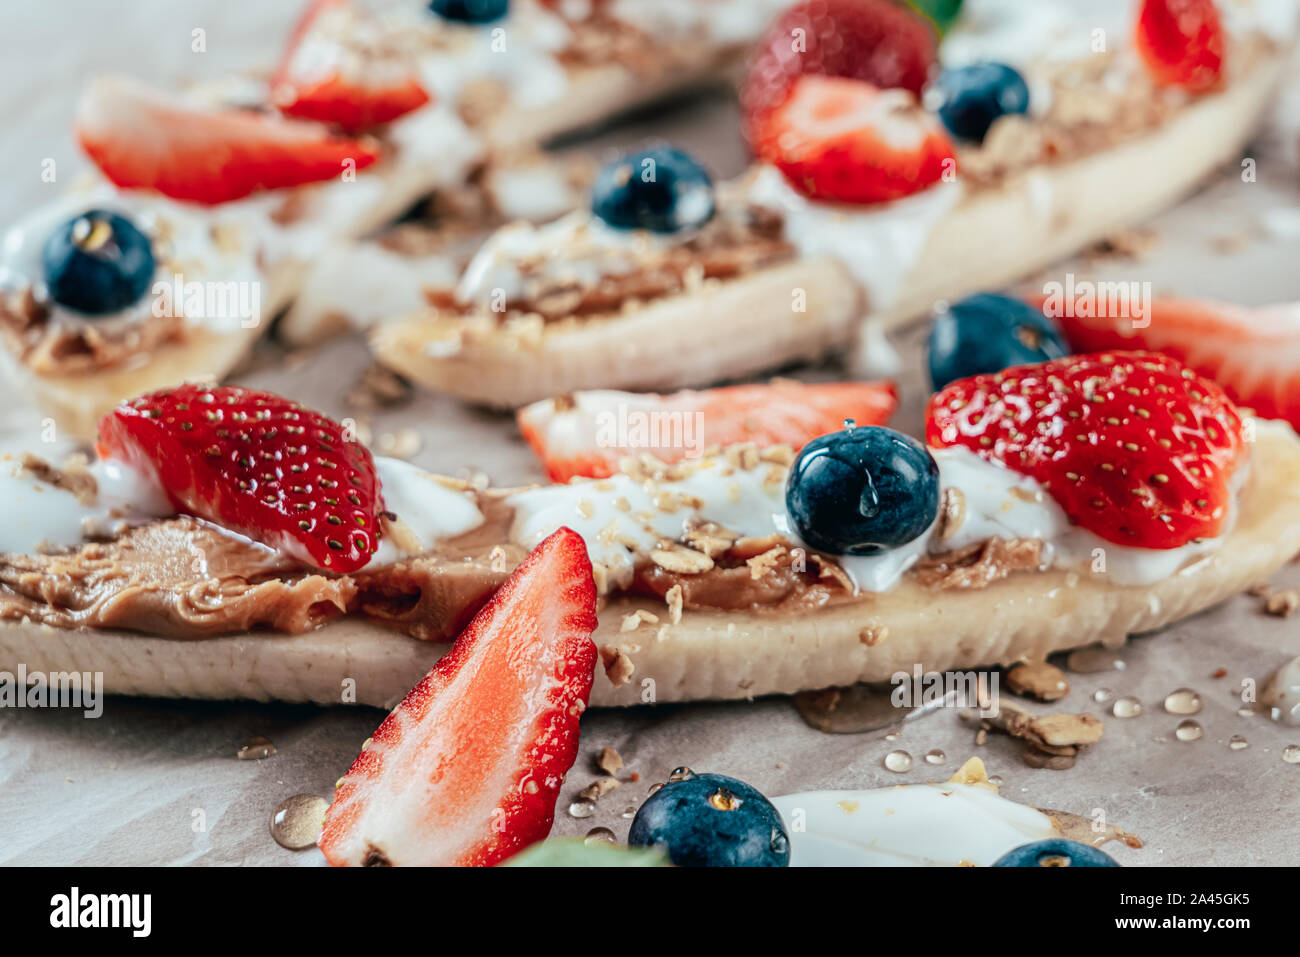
x=258 y=464
x=467 y=769
x=1131 y=445
x=337 y=71
x=569 y=435
x=876 y=41
x=143 y=139
x=1181 y=42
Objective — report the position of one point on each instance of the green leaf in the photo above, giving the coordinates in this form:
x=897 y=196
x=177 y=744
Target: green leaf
x=575 y=852
x=942 y=13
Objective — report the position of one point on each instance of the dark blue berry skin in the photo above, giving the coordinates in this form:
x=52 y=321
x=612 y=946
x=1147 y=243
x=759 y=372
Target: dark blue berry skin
x=688 y=819
x=972 y=97
x=989 y=333
x=663 y=190
x=470 y=11
x=862 y=490
x=97 y=263
x=1055 y=852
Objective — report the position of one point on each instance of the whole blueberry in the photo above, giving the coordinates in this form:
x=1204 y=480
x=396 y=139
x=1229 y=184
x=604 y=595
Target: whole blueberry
x=663 y=190
x=972 y=97
x=988 y=333
x=470 y=11
x=711 y=820
x=1055 y=852
x=862 y=490
x=97 y=263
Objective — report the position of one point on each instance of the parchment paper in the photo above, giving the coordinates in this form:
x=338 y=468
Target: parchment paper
x=157 y=782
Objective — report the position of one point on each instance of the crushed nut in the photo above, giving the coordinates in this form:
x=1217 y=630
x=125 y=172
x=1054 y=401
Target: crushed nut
x=680 y=559
x=674 y=600
x=618 y=666
x=598 y=788
x=609 y=761
x=1283 y=603
x=1038 y=680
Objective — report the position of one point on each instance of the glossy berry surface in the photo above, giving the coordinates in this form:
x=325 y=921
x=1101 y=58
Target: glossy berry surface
x=663 y=190
x=862 y=490
x=258 y=464
x=1133 y=446
x=1181 y=42
x=988 y=333
x=1055 y=852
x=875 y=41
x=972 y=97
x=470 y=11
x=97 y=263
x=711 y=820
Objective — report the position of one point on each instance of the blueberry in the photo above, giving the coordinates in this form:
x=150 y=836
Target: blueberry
x=1055 y=852
x=470 y=11
x=97 y=263
x=663 y=190
x=710 y=820
x=862 y=490
x=972 y=97
x=988 y=333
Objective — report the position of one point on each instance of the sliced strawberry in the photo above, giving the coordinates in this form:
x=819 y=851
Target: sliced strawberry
x=466 y=770
x=1131 y=445
x=875 y=41
x=258 y=464
x=1181 y=42
x=338 y=70
x=845 y=140
x=589 y=432
x=143 y=139
x=1254 y=354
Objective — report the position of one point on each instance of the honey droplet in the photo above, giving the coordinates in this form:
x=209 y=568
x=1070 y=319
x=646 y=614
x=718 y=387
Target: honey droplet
x=582 y=807
x=1238 y=743
x=1183 y=701
x=898 y=761
x=935 y=757
x=1189 y=730
x=1126 y=707
x=255 y=749
x=296 y=821
x=600 y=835
x=1291 y=754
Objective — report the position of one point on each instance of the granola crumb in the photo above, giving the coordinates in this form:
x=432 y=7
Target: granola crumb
x=1038 y=680
x=609 y=761
x=618 y=666
x=873 y=635
x=674 y=601
x=598 y=788
x=1283 y=603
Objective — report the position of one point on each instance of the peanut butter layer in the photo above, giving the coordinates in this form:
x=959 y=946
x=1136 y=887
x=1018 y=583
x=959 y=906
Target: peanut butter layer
x=48 y=346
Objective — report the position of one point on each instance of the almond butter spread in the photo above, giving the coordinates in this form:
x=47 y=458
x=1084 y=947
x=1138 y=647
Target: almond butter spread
x=183 y=578
x=49 y=346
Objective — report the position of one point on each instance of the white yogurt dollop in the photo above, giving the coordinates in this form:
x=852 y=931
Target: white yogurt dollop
x=920 y=825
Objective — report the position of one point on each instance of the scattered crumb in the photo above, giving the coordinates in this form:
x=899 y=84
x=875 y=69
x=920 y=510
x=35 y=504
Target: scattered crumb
x=1038 y=680
x=618 y=666
x=1283 y=603
x=598 y=788
x=609 y=761
x=1219 y=673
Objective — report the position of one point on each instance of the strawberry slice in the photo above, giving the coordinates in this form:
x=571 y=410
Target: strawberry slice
x=587 y=433
x=337 y=69
x=1181 y=42
x=143 y=139
x=258 y=464
x=1131 y=445
x=1253 y=353
x=466 y=770
x=845 y=140
x=876 y=41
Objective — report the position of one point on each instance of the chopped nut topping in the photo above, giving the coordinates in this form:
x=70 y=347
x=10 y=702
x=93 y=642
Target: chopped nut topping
x=680 y=559
x=598 y=788
x=1283 y=603
x=610 y=761
x=1038 y=680
x=618 y=666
